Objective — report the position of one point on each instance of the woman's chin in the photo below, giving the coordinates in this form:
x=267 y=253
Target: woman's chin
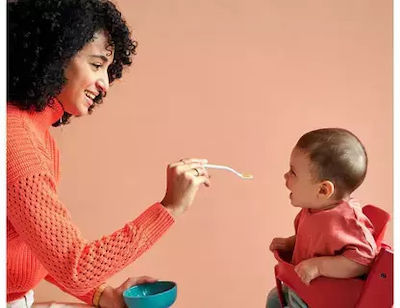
x=83 y=113
x=84 y=110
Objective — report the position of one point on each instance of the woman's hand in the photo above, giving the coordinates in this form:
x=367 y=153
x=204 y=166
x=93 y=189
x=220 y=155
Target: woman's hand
x=183 y=180
x=112 y=297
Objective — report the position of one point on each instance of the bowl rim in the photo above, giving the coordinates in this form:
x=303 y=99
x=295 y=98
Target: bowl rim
x=173 y=286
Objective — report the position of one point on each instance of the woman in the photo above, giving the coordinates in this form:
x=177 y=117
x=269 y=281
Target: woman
x=63 y=55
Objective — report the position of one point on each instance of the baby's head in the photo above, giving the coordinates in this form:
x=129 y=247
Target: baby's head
x=326 y=166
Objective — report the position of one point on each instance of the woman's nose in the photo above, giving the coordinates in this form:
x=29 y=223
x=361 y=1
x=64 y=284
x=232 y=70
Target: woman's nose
x=103 y=84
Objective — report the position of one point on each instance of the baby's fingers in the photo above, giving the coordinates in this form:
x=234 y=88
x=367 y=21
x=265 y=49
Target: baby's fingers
x=302 y=274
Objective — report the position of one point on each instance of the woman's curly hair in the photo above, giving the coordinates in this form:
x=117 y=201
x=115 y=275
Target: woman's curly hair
x=44 y=35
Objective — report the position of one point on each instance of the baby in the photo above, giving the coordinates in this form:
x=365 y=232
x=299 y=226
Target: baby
x=333 y=237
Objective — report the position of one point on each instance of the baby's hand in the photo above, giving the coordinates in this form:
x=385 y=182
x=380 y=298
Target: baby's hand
x=279 y=243
x=308 y=270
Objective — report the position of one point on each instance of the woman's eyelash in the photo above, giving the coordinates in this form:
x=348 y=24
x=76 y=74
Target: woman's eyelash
x=97 y=66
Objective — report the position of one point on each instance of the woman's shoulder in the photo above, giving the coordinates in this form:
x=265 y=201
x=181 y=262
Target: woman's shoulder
x=19 y=128
x=23 y=145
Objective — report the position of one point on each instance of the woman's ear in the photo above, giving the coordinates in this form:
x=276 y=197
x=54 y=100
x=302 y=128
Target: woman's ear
x=326 y=190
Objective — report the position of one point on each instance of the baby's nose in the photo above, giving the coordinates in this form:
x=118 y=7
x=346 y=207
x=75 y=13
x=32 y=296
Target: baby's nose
x=286 y=176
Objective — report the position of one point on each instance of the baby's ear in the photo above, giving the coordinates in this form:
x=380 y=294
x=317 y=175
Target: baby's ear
x=326 y=189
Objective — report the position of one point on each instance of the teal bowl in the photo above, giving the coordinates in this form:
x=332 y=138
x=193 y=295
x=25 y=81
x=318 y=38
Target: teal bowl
x=160 y=294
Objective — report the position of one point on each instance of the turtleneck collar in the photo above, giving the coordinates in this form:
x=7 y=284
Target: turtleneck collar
x=51 y=114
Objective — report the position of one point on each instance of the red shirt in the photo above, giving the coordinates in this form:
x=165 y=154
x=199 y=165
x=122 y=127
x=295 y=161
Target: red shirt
x=342 y=230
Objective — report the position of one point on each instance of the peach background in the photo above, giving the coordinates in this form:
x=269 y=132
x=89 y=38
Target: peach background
x=236 y=82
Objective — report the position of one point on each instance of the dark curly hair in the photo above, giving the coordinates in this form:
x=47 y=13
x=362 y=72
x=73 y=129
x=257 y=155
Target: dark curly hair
x=44 y=35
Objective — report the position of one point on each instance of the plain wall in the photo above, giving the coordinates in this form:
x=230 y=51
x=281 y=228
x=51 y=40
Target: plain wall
x=236 y=82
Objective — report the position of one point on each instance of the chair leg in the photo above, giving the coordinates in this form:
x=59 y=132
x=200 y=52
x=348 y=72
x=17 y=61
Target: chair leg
x=280 y=293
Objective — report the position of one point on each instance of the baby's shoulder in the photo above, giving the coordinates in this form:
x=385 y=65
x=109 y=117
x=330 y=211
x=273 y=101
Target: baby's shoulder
x=348 y=216
x=341 y=215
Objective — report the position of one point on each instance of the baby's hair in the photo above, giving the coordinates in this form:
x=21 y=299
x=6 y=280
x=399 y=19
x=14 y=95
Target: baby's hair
x=336 y=155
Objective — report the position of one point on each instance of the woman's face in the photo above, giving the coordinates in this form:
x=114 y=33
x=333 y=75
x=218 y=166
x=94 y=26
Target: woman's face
x=87 y=75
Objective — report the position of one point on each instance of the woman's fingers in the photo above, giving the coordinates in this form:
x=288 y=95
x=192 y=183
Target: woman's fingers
x=186 y=161
x=194 y=160
x=193 y=167
x=186 y=167
x=183 y=180
x=198 y=171
x=145 y=279
x=182 y=168
x=203 y=179
x=133 y=281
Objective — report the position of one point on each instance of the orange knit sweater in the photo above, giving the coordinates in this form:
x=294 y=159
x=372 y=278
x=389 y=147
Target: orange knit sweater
x=42 y=240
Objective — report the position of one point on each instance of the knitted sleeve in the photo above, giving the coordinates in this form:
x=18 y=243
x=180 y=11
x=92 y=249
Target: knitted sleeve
x=87 y=298
x=76 y=264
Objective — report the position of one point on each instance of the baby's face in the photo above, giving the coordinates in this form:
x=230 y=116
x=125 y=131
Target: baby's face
x=304 y=189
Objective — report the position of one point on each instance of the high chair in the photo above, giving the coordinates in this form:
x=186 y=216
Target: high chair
x=376 y=290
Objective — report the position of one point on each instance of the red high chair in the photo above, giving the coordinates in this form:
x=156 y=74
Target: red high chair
x=373 y=292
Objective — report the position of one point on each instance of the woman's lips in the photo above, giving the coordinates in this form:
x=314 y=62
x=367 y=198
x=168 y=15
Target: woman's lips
x=89 y=101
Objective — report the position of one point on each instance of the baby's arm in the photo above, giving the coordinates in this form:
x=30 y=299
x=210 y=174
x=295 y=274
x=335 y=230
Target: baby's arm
x=340 y=267
x=329 y=266
x=285 y=243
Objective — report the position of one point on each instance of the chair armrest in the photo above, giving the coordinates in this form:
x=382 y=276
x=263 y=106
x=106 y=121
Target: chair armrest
x=322 y=291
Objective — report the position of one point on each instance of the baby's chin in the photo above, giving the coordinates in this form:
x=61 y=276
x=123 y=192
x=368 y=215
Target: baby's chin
x=294 y=204
x=302 y=205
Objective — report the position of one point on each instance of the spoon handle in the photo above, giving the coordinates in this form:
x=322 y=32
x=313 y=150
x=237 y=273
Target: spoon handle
x=212 y=166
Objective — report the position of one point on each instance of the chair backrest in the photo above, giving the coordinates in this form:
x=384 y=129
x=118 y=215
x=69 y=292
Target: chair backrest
x=379 y=219
x=378 y=288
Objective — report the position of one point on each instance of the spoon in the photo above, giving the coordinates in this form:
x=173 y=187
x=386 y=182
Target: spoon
x=244 y=176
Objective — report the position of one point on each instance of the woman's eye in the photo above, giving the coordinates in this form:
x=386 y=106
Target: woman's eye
x=96 y=66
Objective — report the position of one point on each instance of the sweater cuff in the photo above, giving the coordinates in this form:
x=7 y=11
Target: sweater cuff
x=156 y=219
x=87 y=298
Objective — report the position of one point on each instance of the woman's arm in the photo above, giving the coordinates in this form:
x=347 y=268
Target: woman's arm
x=87 y=298
x=78 y=265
